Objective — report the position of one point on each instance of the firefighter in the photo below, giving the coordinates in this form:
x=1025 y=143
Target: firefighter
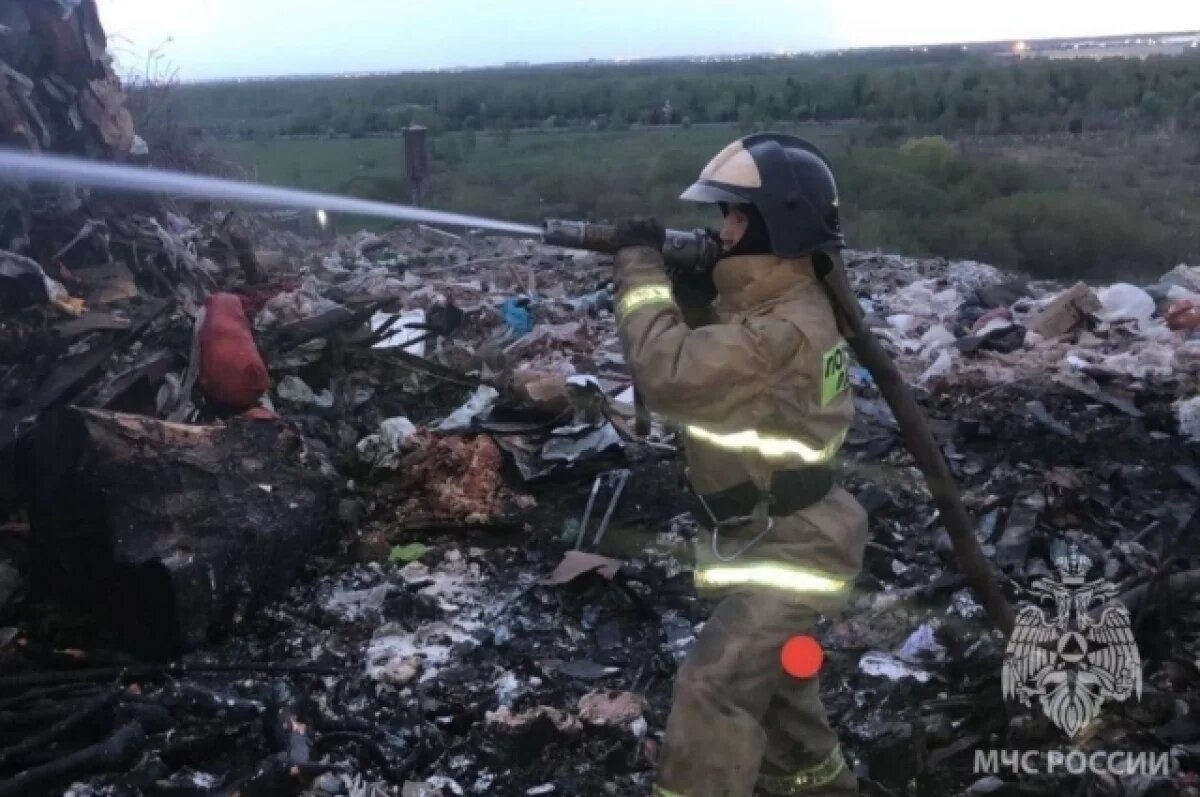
x=750 y=362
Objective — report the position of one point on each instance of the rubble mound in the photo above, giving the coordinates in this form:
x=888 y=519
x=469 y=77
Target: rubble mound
x=453 y=641
x=384 y=514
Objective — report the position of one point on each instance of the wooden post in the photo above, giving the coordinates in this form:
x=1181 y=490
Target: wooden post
x=416 y=161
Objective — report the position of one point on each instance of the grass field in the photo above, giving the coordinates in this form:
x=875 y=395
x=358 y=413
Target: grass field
x=1119 y=206
x=525 y=178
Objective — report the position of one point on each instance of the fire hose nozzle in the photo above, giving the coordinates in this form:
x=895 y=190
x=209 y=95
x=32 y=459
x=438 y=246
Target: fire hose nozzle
x=683 y=249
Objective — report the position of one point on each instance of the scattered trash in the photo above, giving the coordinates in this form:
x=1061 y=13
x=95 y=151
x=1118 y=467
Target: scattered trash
x=601 y=299
x=564 y=445
x=27 y=284
x=296 y=390
x=576 y=563
x=884 y=665
x=922 y=646
x=586 y=670
x=989 y=785
x=404 y=331
x=1013 y=545
x=352 y=605
x=610 y=708
x=516 y=315
x=615 y=480
x=1038 y=412
x=480 y=404
x=442 y=784
x=385 y=449
x=996 y=317
x=1125 y=302
x=391 y=657
x=1066 y=312
x=116 y=393
x=1088 y=387
x=458 y=477
x=232 y=371
x=407 y=553
x=969 y=276
x=1188 y=415
x=505 y=720
x=963 y=604
x=546 y=391
x=921 y=298
x=998 y=335
x=941 y=367
x=935 y=339
x=291 y=306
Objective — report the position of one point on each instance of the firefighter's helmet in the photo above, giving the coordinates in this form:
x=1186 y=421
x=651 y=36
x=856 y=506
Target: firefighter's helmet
x=788 y=180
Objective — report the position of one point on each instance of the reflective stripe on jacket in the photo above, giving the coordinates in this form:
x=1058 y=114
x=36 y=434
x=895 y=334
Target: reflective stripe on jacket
x=763 y=388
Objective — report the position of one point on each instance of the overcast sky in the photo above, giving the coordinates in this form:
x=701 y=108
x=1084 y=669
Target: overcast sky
x=239 y=38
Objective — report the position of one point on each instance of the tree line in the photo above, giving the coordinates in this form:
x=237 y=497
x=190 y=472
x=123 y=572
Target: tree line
x=947 y=90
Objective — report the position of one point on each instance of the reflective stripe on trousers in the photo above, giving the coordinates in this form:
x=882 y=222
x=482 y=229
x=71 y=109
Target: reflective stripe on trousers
x=771 y=447
x=778 y=576
x=807 y=779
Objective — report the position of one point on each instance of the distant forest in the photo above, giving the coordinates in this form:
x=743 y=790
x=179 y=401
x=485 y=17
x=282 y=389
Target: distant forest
x=946 y=90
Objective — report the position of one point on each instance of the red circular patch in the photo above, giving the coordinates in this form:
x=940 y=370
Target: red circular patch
x=802 y=657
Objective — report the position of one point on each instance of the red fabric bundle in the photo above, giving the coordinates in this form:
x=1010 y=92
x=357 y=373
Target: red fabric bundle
x=232 y=372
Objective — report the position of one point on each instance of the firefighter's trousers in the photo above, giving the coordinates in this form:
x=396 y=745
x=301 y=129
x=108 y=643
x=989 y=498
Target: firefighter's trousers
x=739 y=721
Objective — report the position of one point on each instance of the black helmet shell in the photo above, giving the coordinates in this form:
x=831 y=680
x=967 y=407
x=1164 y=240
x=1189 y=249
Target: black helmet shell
x=788 y=179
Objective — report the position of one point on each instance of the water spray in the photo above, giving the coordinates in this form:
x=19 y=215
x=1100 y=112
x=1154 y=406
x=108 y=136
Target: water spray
x=682 y=249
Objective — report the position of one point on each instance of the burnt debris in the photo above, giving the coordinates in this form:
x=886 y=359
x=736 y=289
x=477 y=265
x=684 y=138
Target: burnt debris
x=381 y=514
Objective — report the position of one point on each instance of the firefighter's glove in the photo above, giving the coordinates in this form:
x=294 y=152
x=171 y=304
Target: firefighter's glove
x=694 y=283
x=640 y=232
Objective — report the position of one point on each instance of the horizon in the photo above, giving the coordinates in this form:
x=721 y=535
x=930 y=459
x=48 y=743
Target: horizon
x=227 y=40
x=747 y=55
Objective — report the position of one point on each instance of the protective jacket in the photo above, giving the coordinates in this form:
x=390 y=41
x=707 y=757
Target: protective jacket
x=763 y=390
x=759 y=383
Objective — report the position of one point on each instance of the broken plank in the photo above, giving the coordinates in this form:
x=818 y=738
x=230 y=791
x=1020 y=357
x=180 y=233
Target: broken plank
x=442 y=234
x=92 y=322
x=427 y=367
x=153 y=368
x=74 y=375
x=297 y=333
x=1088 y=387
x=247 y=259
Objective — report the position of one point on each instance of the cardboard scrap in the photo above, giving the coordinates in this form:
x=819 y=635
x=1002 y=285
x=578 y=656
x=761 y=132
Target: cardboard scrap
x=1066 y=312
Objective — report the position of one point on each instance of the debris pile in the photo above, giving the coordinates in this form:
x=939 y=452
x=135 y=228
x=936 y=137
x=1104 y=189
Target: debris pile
x=507 y=596
x=381 y=514
x=1063 y=411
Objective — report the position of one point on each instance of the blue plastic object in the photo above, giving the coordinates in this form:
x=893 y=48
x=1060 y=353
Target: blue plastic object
x=517 y=316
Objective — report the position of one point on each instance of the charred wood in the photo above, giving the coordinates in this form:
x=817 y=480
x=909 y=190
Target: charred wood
x=173 y=528
x=59 y=729
x=117 y=750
